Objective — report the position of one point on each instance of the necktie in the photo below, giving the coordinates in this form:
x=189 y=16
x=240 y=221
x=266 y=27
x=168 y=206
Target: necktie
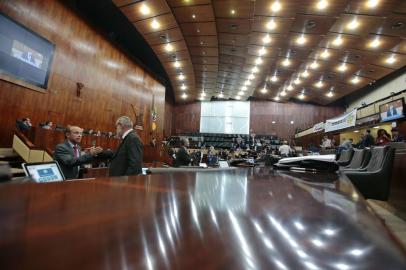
x=76 y=151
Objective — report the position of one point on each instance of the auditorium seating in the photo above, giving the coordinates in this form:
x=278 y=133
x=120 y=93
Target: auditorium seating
x=359 y=160
x=374 y=180
x=345 y=157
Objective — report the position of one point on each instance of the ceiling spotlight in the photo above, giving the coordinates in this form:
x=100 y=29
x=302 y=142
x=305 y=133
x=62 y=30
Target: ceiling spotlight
x=286 y=62
x=273 y=122
x=254 y=69
x=277 y=98
x=330 y=94
x=168 y=47
x=181 y=77
x=203 y=94
x=274 y=78
x=251 y=77
x=391 y=59
x=240 y=93
x=314 y=65
x=176 y=64
x=221 y=95
x=244 y=88
x=355 y=80
x=301 y=40
x=266 y=39
x=193 y=16
x=342 y=67
x=155 y=24
x=319 y=84
x=297 y=81
x=144 y=9
x=271 y=25
x=283 y=93
x=372 y=3
x=375 y=43
x=261 y=51
x=353 y=24
x=276 y=6
x=184 y=95
x=289 y=88
x=258 y=61
x=325 y=54
x=264 y=90
x=322 y=4
x=232 y=11
x=247 y=83
x=302 y=95
x=238 y=97
x=183 y=87
x=305 y=74
x=338 y=41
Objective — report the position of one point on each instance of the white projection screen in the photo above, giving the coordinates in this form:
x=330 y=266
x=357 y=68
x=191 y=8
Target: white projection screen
x=228 y=117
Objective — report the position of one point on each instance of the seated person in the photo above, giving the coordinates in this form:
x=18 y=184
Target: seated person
x=68 y=154
x=347 y=144
x=24 y=124
x=284 y=149
x=182 y=156
x=383 y=137
x=48 y=125
x=396 y=137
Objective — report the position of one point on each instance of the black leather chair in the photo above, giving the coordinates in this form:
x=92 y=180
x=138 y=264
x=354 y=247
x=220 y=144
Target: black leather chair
x=359 y=160
x=374 y=180
x=345 y=157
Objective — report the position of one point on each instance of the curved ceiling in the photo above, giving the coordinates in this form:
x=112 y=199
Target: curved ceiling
x=313 y=50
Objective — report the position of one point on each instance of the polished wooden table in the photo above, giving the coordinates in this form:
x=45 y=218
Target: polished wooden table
x=234 y=219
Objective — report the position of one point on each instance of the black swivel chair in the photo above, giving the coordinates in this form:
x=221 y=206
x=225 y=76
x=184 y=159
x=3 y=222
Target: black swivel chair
x=345 y=157
x=359 y=160
x=374 y=180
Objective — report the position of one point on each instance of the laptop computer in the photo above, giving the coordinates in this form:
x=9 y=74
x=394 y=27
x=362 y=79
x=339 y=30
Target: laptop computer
x=44 y=172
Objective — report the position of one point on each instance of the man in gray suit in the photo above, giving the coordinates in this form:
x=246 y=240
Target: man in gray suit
x=68 y=154
x=127 y=159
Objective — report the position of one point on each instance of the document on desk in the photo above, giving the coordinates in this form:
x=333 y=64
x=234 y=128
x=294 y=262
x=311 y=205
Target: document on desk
x=309 y=163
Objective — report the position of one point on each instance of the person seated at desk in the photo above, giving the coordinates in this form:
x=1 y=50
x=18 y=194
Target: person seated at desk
x=48 y=125
x=182 y=156
x=383 y=137
x=347 y=144
x=326 y=142
x=68 y=154
x=396 y=137
x=285 y=150
x=24 y=124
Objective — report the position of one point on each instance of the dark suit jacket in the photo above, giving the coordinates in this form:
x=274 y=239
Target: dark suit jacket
x=182 y=158
x=68 y=162
x=127 y=160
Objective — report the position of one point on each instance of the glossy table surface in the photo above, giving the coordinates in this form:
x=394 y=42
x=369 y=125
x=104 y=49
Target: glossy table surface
x=234 y=219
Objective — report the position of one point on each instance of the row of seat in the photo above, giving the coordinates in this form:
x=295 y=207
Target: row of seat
x=369 y=169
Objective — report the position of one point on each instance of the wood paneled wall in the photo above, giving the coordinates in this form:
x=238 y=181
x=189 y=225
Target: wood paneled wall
x=186 y=118
x=113 y=84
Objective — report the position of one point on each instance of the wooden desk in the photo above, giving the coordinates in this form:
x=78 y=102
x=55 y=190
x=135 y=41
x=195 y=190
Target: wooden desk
x=234 y=219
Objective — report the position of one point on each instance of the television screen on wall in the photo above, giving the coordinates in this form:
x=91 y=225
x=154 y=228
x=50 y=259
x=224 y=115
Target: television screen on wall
x=24 y=55
x=392 y=110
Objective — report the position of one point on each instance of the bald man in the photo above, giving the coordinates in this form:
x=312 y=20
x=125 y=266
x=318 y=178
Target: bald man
x=68 y=154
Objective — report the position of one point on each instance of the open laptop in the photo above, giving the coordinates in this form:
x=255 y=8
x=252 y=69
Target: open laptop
x=44 y=172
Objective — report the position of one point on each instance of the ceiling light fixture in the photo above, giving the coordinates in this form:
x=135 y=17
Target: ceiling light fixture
x=184 y=96
x=232 y=11
x=176 y=64
x=314 y=65
x=277 y=98
x=372 y=3
x=289 y=88
x=238 y=97
x=193 y=16
x=251 y=76
x=355 y=80
x=255 y=69
x=264 y=90
x=330 y=94
x=353 y=24
x=305 y=74
x=240 y=93
x=274 y=78
x=375 y=43
x=247 y=82
x=276 y=6
x=302 y=95
x=244 y=88
x=221 y=95
x=258 y=61
x=342 y=67
x=145 y=10
x=325 y=54
x=297 y=81
x=286 y=62
x=301 y=40
x=155 y=24
x=261 y=51
x=271 y=25
x=168 y=47
x=338 y=41
x=322 y=4
x=391 y=59
x=266 y=39
x=183 y=87
x=181 y=77
x=319 y=84
x=283 y=93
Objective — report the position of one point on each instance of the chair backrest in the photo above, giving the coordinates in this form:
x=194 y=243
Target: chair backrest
x=367 y=157
x=346 y=155
x=378 y=154
x=357 y=159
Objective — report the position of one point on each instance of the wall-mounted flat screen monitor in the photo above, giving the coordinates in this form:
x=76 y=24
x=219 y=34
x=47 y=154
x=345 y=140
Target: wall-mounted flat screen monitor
x=392 y=110
x=24 y=55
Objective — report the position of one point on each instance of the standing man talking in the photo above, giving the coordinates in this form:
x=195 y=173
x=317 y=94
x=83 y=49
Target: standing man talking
x=127 y=159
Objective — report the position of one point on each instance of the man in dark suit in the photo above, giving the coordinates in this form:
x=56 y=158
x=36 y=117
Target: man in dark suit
x=24 y=124
x=182 y=156
x=127 y=159
x=68 y=154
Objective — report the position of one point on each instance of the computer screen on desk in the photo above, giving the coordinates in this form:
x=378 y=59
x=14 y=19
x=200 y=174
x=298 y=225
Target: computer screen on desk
x=44 y=172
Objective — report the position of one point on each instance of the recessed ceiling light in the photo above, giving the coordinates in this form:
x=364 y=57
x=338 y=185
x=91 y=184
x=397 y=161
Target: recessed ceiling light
x=302 y=96
x=355 y=80
x=314 y=65
x=194 y=16
x=221 y=95
x=271 y=25
x=244 y=88
x=258 y=61
x=372 y=3
x=337 y=41
x=277 y=98
x=297 y=81
x=247 y=82
x=276 y=6
x=251 y=76
x=325 y=54
x=273 y=122
x=232 y=11
x=238 y=97
x=181 y=77
x=254 y=69
x=375 y=43
x=342 y=67
x=319 y=84
x=391 y=59
x=286 y=62
x=283 y=93
x=203 y=94
x=274 y=78
x=289 y=88
x=301 y=40
x=330 y=94
x=353 y=24
x=261 y=51
x=176 y=64
x=266 y=39
x=145 y=10
x=183 y=87
x=322 y=4
x=168 y=47
x=264 y=90
x=240 y=93
x=184 y=95
x=305 y=74
x=292 y=122
x=155 y=24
